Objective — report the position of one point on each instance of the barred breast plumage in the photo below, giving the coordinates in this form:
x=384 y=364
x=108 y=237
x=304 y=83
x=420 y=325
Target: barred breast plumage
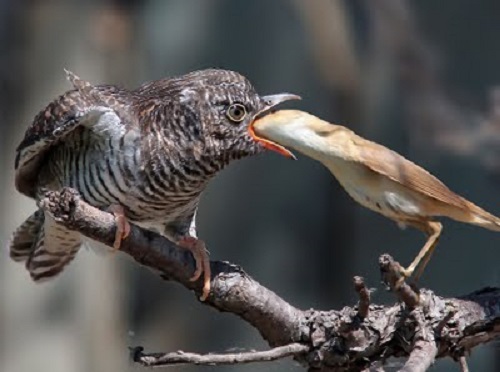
x=151 y=150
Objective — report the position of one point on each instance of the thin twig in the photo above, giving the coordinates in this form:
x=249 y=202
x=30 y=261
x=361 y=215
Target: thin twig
x=364 y=297
x=391 y=275
x=181 y=357
x=451 y=311
x=463 y=364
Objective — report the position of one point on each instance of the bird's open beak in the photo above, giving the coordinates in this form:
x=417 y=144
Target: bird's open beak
x=270 y=102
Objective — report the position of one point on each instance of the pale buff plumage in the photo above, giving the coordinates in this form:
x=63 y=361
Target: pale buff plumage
x=375 y=176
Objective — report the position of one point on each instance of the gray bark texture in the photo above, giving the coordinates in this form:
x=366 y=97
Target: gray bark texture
x=421 y=326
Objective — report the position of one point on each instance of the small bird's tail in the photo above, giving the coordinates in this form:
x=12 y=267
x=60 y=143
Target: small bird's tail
x=45 y=246
x=479 y=217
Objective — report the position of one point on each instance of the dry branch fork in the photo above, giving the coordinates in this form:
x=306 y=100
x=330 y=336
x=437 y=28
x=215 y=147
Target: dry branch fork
x=421 y=326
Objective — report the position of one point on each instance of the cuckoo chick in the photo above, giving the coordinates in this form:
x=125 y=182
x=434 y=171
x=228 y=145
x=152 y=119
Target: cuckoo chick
x=145 y=154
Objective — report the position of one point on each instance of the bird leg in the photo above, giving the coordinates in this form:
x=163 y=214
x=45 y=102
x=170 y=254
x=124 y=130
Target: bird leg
x=200 y=254
x=433 y=230
x=122 y=225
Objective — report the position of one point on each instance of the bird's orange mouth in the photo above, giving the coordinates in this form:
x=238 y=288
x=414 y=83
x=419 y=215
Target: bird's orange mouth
x=270 y=102
x=268 y=144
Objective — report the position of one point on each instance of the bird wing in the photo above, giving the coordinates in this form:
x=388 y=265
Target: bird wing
x=389 y=163
x=75 y=108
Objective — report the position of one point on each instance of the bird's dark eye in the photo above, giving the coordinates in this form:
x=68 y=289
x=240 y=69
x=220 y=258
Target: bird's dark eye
x=236 y=112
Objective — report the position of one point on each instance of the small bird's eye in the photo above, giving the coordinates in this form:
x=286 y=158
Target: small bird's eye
x=236 y=112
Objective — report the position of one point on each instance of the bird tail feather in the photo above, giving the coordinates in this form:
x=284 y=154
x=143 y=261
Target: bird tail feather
x=25 y=236
x=480 y=217
x=45 y=246
x=491 y=222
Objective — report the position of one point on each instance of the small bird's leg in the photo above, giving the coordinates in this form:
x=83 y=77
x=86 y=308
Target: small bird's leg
x=200 y=253
x=433 y=230
x=122 y=225
x=434 y=237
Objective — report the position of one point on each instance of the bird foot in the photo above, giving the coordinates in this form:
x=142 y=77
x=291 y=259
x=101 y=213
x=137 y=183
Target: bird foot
x=405 y=274
x=200 y=253
x=122 y=225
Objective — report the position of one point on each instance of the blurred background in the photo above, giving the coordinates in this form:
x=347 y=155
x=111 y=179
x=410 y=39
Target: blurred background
x=418 y=76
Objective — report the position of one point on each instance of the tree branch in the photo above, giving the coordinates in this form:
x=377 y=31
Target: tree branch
x=364 y=297
x=422 y=327
x=181 y=357
x=232 y=289
x=424 y=349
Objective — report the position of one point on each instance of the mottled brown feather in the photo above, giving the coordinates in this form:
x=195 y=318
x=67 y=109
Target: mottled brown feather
x=61 y=117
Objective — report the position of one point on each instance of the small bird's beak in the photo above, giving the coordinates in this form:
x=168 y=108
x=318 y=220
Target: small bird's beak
x=270 y=102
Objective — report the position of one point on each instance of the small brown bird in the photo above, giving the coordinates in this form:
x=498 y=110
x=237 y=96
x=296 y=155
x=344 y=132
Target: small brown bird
x=376 y=177
x=145 y=154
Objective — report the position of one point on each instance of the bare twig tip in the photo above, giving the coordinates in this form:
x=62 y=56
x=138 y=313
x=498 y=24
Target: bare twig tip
x=364 y=297
x=391 y=272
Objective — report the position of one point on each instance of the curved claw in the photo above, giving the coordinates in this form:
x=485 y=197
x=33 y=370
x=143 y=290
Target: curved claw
x=122 y=225
x=200 y=254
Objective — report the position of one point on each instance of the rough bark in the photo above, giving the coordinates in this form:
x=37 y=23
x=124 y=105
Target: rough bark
x=421 y=326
